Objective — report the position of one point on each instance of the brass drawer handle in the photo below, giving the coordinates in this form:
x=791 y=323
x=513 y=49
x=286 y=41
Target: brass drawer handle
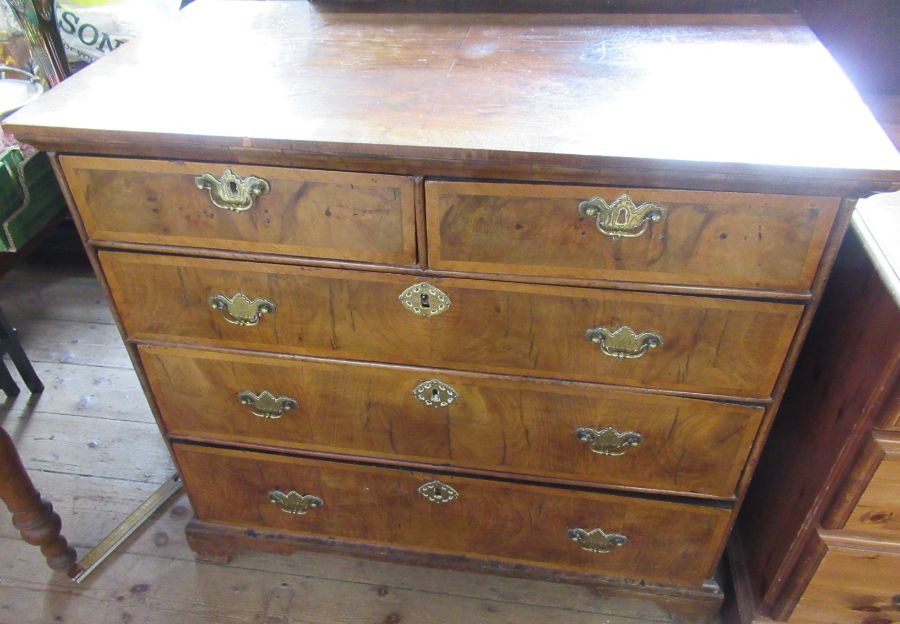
x=435 y=393
x=240 y=309
x=231 y=191
x=608 y=441
x=267 y=405
x=438 y=492
x=596 y=541
x=622 y=218
x=295 y=503
x=624 y=343
x=425 y=300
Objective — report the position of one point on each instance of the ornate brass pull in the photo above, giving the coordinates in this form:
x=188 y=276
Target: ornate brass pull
x=624 y=343
x=295 y=503
x=425 y=300
x=231 y=191
x=438 y=492
x=596 y=541
x=622 y=219
x=607 y=441
x=434 y=393
x=240 y=309
x=267 y=405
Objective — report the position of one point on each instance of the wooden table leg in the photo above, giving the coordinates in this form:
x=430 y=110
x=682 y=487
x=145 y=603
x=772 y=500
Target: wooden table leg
x=32 y=516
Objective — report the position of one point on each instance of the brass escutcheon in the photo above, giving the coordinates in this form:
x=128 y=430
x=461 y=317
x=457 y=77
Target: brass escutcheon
x=623 y=343
x=607 y=441
x=231 y=191
x=267 y=405
x=425 y=300
x=240 y=309
x=435 y=393
x=622 y=218
x=596 y=541
x=438 y=492
x=295 y=503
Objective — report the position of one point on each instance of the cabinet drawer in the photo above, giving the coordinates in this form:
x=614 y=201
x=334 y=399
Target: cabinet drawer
x=318 y=214
x=479 y=422
x=667 y=542
x=856 y=582
x=697 y=238
x=869 y=502
x=708 y=345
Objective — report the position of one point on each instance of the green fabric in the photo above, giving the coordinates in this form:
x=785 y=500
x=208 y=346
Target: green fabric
x=30 y=198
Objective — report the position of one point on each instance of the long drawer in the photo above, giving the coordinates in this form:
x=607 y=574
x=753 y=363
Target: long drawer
x=577 y=432
x=706 y=345
x=644 y=235
x=298 y=212
x=648 y=539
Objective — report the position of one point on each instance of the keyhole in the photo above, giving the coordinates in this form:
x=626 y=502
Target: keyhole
x=424 y=299
x=438 y=494
x=435 y=396
x=232 y=186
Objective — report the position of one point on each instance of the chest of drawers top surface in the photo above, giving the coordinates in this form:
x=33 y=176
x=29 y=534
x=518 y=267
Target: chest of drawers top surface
x=479 y=93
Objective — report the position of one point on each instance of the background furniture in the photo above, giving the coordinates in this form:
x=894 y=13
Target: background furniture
x=9 y=345
x=32 y=516
x=818 y=539
x=464 y=290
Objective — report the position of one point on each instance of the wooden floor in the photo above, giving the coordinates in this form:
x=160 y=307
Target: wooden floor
x=91 y=446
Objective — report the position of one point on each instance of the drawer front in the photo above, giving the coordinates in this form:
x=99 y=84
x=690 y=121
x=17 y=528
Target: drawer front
x=690 y=237
x=470 y=421
x=857 y=582
x=716 y=346
x=877 y=512
x=667 y=542
x=318 y=214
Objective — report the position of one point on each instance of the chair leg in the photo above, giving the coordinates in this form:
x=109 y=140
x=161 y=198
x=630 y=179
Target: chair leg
x=7 y=383
x=18 y=357
x=32 y=516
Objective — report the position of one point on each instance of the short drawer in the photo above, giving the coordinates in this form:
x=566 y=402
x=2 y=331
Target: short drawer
x=856 y=582
x=716 y=346
x=296 y=212
x=581 y=433
x=648 y=539
x=659 y=236
x=869 y=501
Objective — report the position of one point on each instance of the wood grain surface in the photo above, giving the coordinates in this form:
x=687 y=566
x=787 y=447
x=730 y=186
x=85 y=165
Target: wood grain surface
x=490 y=519
x=855 y=582
x=496 y=424
x=715 y=346
x=320 y=214
x=705 y=239
x=869 y=501
x=845 y=383
x=721 y=94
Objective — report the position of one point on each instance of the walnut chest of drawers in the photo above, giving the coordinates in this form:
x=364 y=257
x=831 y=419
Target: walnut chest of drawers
x=510 y=293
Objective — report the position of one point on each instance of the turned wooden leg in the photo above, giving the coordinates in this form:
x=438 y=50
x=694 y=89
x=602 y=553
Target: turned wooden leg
x=32 y=516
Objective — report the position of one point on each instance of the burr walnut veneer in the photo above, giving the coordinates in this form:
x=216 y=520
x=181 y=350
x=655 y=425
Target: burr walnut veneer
x=509 y=293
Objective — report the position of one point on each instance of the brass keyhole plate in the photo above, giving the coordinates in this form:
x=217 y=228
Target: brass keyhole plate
x=425 y=300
